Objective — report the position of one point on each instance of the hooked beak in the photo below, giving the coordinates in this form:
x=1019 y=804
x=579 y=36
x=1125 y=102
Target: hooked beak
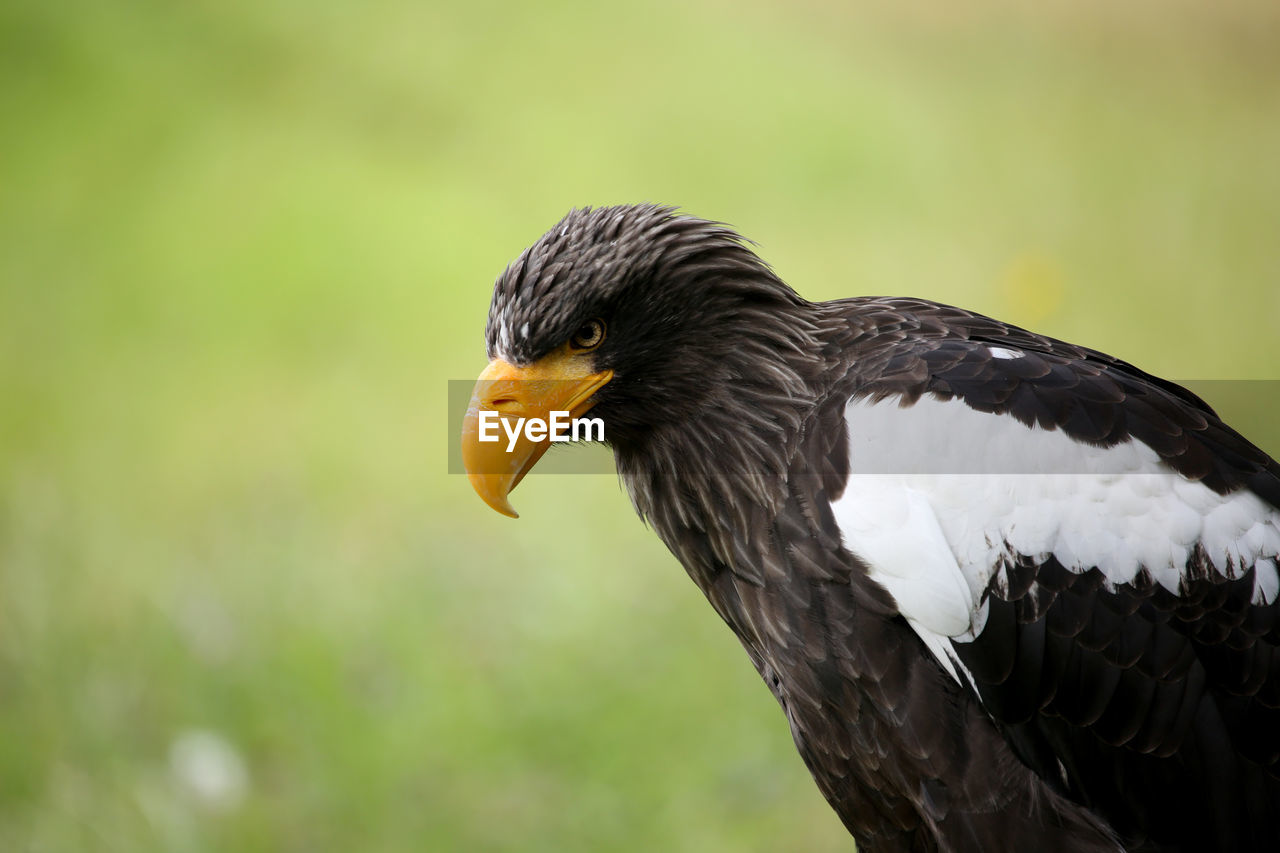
x=561 y=381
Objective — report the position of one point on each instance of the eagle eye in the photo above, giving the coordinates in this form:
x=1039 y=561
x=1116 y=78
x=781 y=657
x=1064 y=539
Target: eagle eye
x=589 y=335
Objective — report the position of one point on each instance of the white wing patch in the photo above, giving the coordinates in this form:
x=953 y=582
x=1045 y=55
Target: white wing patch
x=893 y=527
x=941 y=493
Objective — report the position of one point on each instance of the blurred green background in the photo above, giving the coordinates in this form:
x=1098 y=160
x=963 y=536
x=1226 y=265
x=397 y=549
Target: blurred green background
x=244 y=245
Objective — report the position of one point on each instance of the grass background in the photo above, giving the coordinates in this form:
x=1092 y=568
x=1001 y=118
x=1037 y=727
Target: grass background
x=244 y=245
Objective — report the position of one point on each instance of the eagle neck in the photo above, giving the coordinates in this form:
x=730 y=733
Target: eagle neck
x=710 y=483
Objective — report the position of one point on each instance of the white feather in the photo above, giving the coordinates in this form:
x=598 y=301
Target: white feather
x=941 y=493
x=504 y=341
x=895 y=530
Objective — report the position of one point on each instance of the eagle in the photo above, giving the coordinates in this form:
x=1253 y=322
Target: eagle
x=1010 y=592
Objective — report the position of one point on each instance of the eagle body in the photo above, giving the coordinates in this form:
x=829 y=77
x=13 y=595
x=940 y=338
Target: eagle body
x=1008 y=591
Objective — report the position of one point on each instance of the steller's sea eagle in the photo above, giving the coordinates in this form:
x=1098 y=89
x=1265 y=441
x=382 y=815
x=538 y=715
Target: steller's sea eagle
x=1011 y=593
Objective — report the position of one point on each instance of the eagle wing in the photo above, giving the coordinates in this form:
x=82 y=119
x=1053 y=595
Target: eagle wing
x=1089 y=550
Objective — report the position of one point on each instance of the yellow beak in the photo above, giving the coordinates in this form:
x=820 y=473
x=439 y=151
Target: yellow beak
x=496 y=451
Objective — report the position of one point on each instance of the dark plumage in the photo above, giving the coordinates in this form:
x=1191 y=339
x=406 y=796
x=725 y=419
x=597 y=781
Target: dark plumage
x=1107 y=684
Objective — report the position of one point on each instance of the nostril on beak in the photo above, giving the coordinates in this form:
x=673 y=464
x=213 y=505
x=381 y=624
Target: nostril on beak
x=507 y=405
